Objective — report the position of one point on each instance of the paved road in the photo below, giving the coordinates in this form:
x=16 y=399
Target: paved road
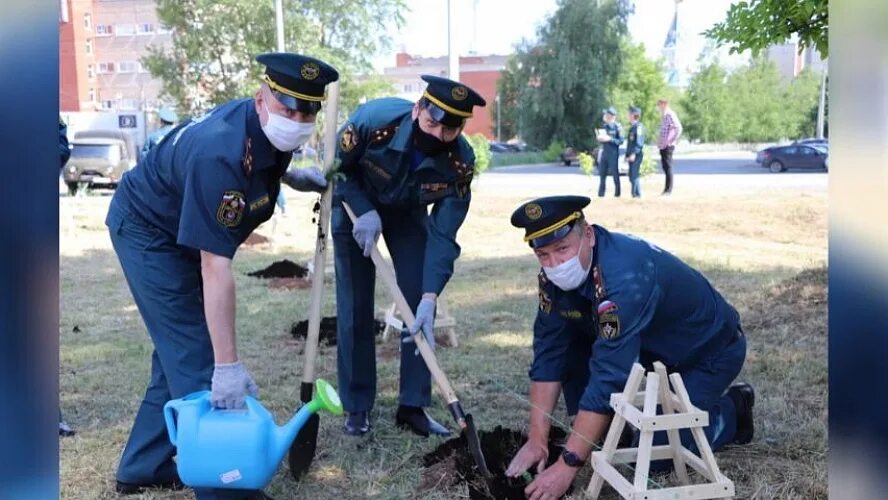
x=709 y=172
x=712 y=172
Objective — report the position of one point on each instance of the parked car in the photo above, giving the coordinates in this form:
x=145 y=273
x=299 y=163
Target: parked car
x=98 y=159
x=780 y=158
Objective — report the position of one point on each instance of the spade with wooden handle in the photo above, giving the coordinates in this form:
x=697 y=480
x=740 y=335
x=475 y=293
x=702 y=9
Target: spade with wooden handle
x=463 y=419
x=302 y=451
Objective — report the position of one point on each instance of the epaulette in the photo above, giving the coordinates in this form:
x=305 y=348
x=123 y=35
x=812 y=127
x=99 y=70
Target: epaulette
x=463 y=169
x=383 y=135
x=247 y=160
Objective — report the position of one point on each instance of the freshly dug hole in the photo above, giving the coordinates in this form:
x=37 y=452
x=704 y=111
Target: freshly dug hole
x=327 y=333
x=451 y=464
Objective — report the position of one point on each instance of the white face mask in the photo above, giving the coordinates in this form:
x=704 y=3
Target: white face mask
x=570 y=274
x=284 y=134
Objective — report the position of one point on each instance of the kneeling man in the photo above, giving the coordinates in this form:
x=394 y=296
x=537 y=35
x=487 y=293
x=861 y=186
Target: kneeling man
x=608 y=300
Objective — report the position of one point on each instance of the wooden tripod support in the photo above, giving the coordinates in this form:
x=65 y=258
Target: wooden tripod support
x=678 y=413
x=444 y=322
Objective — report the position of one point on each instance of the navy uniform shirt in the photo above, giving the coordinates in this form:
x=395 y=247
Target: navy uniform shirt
x=376 y=151
x=635 y=139
x=210 y=182
x=615 y=132
x=646 y=305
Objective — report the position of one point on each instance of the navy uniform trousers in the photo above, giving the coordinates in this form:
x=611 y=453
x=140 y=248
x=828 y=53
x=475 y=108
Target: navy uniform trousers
x=634 y=172
x=706 y=382
x=609 y=160
x=404 y=232
x=166 y=285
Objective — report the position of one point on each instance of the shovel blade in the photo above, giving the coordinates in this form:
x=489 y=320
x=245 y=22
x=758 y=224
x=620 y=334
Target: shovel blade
x=474 y=443
x=302 y=451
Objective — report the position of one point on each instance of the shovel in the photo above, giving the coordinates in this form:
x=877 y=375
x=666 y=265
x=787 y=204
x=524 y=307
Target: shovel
x=463 y=419
x=302 y=450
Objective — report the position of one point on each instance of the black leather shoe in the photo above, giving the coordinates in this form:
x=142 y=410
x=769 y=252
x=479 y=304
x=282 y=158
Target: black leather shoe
x=416 y=419
x=134 y=489
x=357 y=423
x=743 y=397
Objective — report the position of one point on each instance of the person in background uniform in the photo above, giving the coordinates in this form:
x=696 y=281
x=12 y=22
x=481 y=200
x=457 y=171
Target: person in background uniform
x=168 y=119
x=398 y=158
x=176 y=221
x=64 y=154
x=607 y=300
x=635 y=149
x=670 y=131
x=610 y=152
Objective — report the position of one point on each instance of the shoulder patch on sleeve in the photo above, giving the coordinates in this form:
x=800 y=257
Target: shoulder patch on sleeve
x=349 y=138
x=609 y=325
x=383 y=135
x=231 y=208
x=545 y=300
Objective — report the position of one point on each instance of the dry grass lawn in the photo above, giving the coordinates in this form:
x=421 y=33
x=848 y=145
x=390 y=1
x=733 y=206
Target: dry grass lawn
x=766 y=252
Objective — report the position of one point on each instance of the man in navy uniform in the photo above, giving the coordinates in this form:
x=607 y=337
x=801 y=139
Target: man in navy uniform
x=607 y=300
x=635 y=149
x=610 y=152
x=176 y=221
x=398 y=157
x=168 y=119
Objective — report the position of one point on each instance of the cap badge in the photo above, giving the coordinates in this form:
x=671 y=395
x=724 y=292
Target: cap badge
x=533 y=211
x=310 y=71
x=459 y=93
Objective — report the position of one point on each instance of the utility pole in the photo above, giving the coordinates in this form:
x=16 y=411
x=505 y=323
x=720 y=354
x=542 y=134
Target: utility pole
x=279 y=18
x=821 y=108
x=452 y=52
x=498 y=138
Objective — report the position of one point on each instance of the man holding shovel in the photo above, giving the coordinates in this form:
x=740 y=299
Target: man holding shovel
x=398 y=157
x=607 y=300
x=176 y=221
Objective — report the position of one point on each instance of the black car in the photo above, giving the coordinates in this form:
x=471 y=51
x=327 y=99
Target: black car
x=780 y=158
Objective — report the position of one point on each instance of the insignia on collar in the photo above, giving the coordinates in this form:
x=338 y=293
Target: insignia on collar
x=310 y=71
x=459 y=93
x=533 y=211
x=231 y=209
x=609 y=325
x=349 y=138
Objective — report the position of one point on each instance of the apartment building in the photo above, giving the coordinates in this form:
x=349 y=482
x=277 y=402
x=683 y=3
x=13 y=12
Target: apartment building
x=101 y=43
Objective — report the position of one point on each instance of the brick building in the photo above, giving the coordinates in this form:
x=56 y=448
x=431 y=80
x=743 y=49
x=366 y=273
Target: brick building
x=101 y=43
x=479 y=72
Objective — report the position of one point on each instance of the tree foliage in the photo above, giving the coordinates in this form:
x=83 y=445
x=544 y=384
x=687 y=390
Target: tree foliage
x=752 y=104
x=641 y=83
x=556 y=87
x=212 y=57
x=709 y=110
x=758 y=24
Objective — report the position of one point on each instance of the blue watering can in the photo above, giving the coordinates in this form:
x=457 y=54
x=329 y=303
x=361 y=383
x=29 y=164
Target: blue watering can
x=237 y=449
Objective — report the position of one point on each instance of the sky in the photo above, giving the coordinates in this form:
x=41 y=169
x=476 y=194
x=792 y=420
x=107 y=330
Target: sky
x=502 y=23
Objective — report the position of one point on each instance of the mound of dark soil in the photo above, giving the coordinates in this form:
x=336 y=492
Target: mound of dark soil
x=327 y=333
x=281 y=269
x=451 y=463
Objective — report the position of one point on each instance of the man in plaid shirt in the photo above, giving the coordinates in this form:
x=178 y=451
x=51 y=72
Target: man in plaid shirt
x=670 y=131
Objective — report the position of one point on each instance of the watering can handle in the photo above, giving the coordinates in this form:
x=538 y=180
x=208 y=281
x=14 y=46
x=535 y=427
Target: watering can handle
x=168 y=410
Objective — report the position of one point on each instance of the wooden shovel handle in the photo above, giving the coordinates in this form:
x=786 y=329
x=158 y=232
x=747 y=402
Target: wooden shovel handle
x=320 y=256
x=387 y=275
